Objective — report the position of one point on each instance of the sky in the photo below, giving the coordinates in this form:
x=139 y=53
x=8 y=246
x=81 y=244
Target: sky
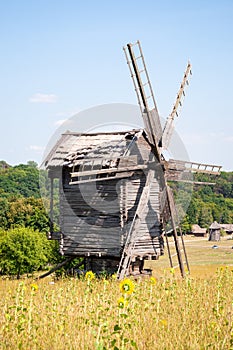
x=62 y=57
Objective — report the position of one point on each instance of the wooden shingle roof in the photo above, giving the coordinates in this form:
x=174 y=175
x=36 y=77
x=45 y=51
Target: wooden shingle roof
x=215 y=226
x=74 y=146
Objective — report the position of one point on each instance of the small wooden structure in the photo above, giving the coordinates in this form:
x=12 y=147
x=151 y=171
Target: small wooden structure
x=115 y=203
x=228 y=228
x=197 y=231
x=215 y=232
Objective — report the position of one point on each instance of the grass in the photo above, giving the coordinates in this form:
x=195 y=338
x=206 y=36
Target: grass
x=163 y=312
x=168 y=313
x=203 y=259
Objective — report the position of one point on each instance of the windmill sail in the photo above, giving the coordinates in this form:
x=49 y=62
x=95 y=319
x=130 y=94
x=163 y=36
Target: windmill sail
x=145 y=95
x=169 y=126
x=155 y=134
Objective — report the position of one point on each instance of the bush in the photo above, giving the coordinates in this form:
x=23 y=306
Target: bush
x=23 y=250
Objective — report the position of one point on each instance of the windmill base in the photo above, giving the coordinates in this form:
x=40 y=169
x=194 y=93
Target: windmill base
x=101 y=265
x=109 y=266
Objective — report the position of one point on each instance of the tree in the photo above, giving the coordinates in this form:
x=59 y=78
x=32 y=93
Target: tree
x=20 y=180
x=28 y=212
x=205 y=217
x=23 y=250
x=185 y=224
x=32 y=164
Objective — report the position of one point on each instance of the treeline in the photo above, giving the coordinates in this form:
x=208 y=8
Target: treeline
x=210 y=202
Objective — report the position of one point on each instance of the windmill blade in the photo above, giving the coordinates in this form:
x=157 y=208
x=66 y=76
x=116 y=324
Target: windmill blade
x=175 y=166
x=169 y=214
x=145 y=95
x=169 y=126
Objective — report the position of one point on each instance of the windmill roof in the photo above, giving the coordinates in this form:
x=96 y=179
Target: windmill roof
x=215 y=226
x=72 y=146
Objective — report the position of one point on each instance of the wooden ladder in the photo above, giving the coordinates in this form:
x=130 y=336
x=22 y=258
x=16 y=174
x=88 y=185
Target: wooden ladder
x=126 y=257
x=144 y=92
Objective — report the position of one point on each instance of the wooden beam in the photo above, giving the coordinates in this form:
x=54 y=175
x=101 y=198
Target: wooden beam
x=51 y=204
x=108 y=171
x=96 y=179
x=192 y=182
x=58 y=266
x=194 y=167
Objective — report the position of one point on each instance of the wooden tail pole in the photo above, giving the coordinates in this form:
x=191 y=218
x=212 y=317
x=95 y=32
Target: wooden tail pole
x=58 y=266
x=175 y=235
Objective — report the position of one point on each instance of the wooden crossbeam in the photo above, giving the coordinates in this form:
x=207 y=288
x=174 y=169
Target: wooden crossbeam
x=194 y=167
x=108 y=171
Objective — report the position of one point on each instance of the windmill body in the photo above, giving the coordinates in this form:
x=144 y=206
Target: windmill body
x=115 y=202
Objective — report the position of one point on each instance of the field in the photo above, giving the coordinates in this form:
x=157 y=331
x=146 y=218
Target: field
x=162 y=312
x=203 y=259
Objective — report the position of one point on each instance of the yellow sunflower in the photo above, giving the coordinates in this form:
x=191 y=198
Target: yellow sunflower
x=127 y=286
x=34 y=287
x=153 y=280
x=122 y=302
x=163 y=323
x=89 y=275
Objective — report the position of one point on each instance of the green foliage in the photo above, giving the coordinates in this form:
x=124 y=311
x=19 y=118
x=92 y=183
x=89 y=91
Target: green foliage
x=185 y=224
x=23 y=214
x=20 y=180
x=28 y=212
x=23 y=250
x=209 y=202
x=20 y=197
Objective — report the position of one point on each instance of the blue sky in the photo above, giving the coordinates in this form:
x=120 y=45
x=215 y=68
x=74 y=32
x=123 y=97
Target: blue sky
x=61 y=57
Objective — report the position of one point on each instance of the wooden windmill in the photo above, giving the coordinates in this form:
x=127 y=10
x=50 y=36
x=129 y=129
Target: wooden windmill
x=115 y=202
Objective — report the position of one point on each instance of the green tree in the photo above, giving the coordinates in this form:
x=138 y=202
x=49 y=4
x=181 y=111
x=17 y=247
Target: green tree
x=23 y=250
x=20 y=180
x=205 y=217
x=28 y=212
x=185 y=224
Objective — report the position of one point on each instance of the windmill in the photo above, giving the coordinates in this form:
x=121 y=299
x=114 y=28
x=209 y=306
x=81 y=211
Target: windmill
x=118 y=231
x=159 y=139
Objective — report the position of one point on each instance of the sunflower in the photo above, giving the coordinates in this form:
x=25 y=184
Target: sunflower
x=163 y=323
x=127 y=286
x=122 y=302
x=153 y=280
x=89 y=275
x=34 y=287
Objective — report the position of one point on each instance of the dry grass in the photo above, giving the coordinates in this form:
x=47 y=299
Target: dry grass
x=169 y=313
x=203 y=260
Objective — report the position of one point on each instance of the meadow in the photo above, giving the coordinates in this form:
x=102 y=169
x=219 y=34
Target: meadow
x=159 y=312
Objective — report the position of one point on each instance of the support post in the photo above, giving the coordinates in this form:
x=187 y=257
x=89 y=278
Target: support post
x=51 y=203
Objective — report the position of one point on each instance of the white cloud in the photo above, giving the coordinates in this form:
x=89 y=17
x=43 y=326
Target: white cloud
x=43 y=98
x=37 y=149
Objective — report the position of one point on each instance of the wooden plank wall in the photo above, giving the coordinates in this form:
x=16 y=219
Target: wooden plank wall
x=85 y=229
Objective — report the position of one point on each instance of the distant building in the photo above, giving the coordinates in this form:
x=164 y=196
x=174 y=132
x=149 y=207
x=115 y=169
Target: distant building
x=228 y=228
x=197 y=231
x=215 y=231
